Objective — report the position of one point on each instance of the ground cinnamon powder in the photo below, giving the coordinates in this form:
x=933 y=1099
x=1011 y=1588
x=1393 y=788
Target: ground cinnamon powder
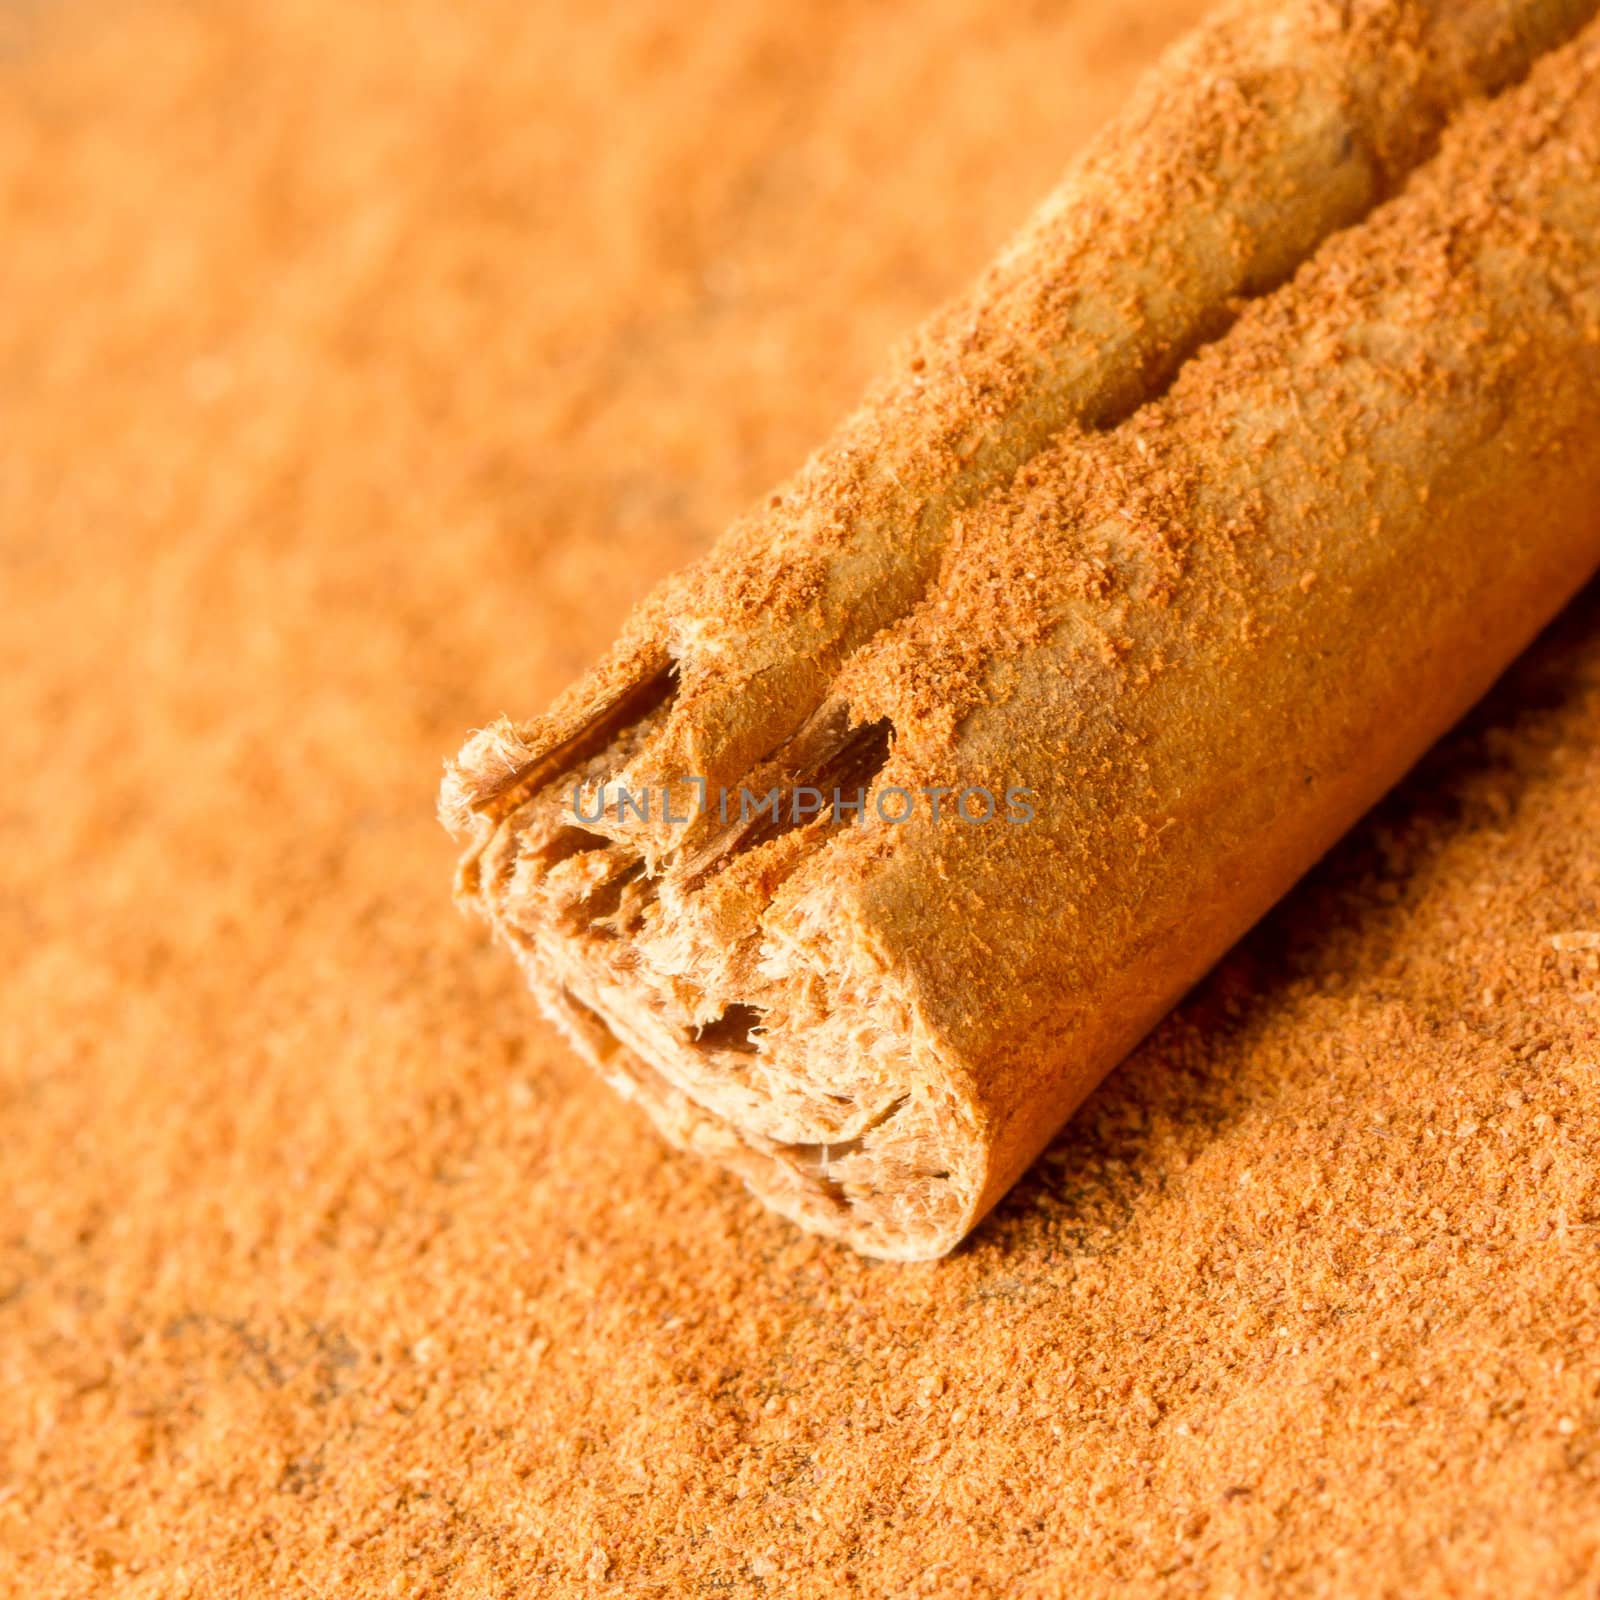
x=360 y=370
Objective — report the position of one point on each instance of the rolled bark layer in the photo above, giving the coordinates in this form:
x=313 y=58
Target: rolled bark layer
x=1148 y=650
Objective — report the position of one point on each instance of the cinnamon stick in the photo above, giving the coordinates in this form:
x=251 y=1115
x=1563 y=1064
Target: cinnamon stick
x=1147 y=678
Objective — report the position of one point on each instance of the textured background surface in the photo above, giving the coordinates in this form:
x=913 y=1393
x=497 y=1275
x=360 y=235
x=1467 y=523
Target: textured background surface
x=358 y=365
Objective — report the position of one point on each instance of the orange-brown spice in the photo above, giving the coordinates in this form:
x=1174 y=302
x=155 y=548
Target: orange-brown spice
x=321 y=1269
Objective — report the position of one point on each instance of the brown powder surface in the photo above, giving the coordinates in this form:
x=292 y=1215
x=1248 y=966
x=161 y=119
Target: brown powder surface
x=359 y=367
